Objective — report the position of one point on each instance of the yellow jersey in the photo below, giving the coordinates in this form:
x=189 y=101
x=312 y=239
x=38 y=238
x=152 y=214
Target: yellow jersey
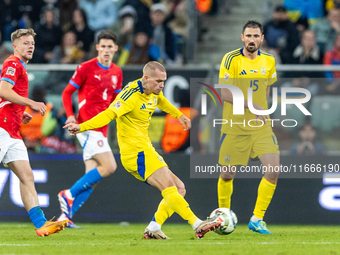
x=134 y=110
x=238 y=70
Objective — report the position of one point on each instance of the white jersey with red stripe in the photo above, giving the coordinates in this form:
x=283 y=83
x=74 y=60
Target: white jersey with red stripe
x=97 y=86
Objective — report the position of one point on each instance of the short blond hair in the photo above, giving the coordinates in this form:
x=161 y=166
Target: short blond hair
x=152 y=66
x=22 y=32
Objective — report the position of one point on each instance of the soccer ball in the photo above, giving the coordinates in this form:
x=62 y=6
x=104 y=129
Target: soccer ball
x=227 y=218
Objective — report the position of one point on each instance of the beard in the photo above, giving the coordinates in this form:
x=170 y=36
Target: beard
x=253 y=49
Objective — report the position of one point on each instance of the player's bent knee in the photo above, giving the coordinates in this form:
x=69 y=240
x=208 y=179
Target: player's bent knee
x=27 y=177
x=110 y=169
x=106 y=171
x=226 y=176
x=272 y=175
x=226 y=179
x=182 y=190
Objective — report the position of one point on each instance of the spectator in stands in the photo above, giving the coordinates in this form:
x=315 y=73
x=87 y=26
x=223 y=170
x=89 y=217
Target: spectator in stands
x=66 y=9
x=68 y=52
x=307 y=53
x=312 y=10
x=281 y=34
x=272 y=51
x=140 y=52
x=307 y=144
x=332 y=57
x=85 y=36
x=100 y=13
x=326 y=30
x=124 y=28
x=162 y=35
x=6 y=49
x=29 y=12
x=332 y=4
x=301 y=82
x=39 y=126
x=177 y=22
x=51 y=5
x=176 y=10
x=8 y=18
x=48 y=36
x=142 y=8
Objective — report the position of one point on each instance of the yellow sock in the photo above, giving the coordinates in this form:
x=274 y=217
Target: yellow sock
x=163 y=212
x=224 y=190
x=264 y=196
x=178 y=204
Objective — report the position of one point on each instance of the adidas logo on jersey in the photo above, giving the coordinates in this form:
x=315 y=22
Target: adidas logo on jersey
x=143 y=107
x=243 y=72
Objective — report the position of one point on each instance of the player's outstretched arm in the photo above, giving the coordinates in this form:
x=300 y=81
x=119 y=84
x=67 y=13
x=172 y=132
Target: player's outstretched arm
x=185 y=121
x=164 y=105
x=7 y=93
x=73 y=128
x=67 y=102
x=98 y=121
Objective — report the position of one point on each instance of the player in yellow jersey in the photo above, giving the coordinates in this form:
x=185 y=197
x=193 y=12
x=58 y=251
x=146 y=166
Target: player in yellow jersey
x=251 y=135
x=133 y=108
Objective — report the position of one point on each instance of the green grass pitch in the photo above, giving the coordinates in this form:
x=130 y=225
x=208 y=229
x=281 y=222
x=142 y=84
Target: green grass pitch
x=20 y=238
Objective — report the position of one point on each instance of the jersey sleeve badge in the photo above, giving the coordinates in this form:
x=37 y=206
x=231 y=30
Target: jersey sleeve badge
x=117 y=104
x=10 y=71
x=226 y=76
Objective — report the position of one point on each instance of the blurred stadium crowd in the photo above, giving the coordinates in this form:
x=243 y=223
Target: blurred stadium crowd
x=66 y=29
x=308 y=33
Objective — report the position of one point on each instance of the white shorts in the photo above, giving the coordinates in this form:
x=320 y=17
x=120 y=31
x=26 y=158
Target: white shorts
x=11 y=149
x=93 y=142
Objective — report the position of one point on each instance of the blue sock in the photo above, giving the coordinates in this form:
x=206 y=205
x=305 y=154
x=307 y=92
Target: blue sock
x=80 y=200
x=85 y=182
x=37 y=217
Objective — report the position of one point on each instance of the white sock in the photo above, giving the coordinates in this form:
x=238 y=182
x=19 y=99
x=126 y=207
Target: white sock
x=68 y=194
x=154 y=226
x=255 y=219
x=62 y=217
x=196 y=224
